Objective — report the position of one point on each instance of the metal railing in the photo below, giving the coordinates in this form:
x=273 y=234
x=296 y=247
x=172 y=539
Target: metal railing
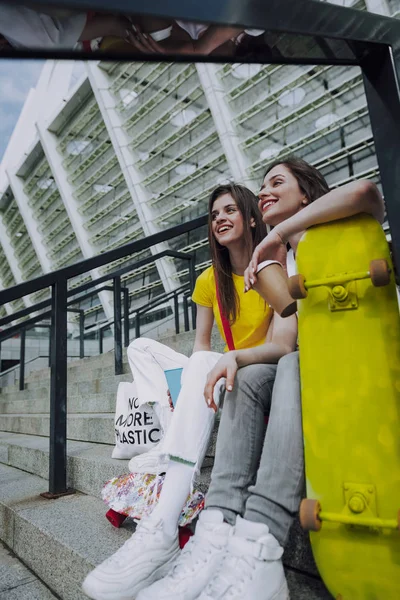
x=116 y=289
x=59 y=306
x=138 y=313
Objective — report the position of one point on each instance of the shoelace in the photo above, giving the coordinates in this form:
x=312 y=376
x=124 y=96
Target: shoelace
x=193 y=554
x=232 y=565
x=144 y=529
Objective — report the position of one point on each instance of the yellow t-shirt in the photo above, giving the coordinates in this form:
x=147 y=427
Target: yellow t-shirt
x=254 y=315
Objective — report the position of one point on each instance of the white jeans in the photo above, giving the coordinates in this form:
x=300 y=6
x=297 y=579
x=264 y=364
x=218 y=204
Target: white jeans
x=189 y=429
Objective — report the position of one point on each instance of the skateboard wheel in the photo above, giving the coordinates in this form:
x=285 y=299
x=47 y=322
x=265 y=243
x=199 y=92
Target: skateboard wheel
x=309 y=510
x=296 y=287
x=379 y=272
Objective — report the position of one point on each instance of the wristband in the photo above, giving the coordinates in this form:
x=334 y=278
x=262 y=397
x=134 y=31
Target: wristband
x=162 y=34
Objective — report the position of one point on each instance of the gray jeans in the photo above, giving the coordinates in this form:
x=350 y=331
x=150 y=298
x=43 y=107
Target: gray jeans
x=259 y=472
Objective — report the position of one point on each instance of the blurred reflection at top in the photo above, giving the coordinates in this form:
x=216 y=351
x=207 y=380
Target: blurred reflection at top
x=39 y=27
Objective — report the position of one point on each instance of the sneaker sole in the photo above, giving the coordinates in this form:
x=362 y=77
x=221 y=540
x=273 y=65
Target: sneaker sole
x=282 y=593
x=158 y=573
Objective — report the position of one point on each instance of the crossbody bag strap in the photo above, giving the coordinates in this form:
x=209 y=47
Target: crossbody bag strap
x=225 y=323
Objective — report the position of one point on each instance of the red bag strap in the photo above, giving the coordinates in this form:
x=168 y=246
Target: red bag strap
x=225 y=323
x=86 y=43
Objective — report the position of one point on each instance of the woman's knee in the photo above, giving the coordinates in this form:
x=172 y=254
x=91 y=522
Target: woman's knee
x=138 y=346
x=140 y=343
x=200 y=355
x=201 y=359
x=289 y=363
x=256 y=373
x=254 y=382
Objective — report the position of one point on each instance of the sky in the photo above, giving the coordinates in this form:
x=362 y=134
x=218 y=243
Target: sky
x=16 y=79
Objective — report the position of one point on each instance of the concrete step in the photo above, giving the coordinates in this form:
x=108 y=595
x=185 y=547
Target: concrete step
x=298 y=554
x=17 y=582
x=101 y=360
x=105 y=382
x=102 y=366
x=62 y=540
x=75 y=383
x=91 y=403
x=96 y=367
x=183 y=342
x=96 y=428
x=89 y=464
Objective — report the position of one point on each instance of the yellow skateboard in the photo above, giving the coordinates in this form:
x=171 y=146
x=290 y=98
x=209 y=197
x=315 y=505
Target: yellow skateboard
x=349 y=337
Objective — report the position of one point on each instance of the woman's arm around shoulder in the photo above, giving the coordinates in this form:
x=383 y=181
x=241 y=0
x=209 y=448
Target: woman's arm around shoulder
x=351 y=199
x=204 y=323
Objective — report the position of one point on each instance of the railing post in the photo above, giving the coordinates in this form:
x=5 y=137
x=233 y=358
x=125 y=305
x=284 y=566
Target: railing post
x=22 y=340
x=176 y=312
x=58 y=393
x=192 y=280
x=50 y=343
x=117 y=326
x=101 y=330
x=81 y=334
x=137 y=324
x=126 y=317
x=186 y=312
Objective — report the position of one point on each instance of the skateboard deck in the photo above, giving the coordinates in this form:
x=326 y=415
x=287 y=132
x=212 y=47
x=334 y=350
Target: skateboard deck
x=349 y=339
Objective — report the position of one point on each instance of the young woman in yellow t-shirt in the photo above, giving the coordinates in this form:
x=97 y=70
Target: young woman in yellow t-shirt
x=235 y=229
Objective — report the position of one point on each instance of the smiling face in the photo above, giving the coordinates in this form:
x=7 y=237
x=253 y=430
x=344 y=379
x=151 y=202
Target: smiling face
x=280 y=196
x=226 y=221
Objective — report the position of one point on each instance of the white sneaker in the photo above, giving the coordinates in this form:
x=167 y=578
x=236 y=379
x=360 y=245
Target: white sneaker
x=152 y=462
x=197 y=563
x=252 y=567
x=147 y=556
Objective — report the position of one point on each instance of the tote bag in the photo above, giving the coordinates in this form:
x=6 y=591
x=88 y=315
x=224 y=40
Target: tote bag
x=137 y=428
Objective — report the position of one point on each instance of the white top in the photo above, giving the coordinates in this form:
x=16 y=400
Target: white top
x=254 y=32
x=291 y=263
x=196 y=29
x=26 y=28
x=193 y=29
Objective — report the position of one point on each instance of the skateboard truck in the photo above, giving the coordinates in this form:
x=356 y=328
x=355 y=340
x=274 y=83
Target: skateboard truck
x=359 y=509
x=342 y=287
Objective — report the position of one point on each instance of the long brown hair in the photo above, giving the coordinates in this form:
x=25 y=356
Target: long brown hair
x=311 y=181
x=247 y=204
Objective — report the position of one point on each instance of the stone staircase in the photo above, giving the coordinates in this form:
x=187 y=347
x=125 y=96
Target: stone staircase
x=60 y=541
